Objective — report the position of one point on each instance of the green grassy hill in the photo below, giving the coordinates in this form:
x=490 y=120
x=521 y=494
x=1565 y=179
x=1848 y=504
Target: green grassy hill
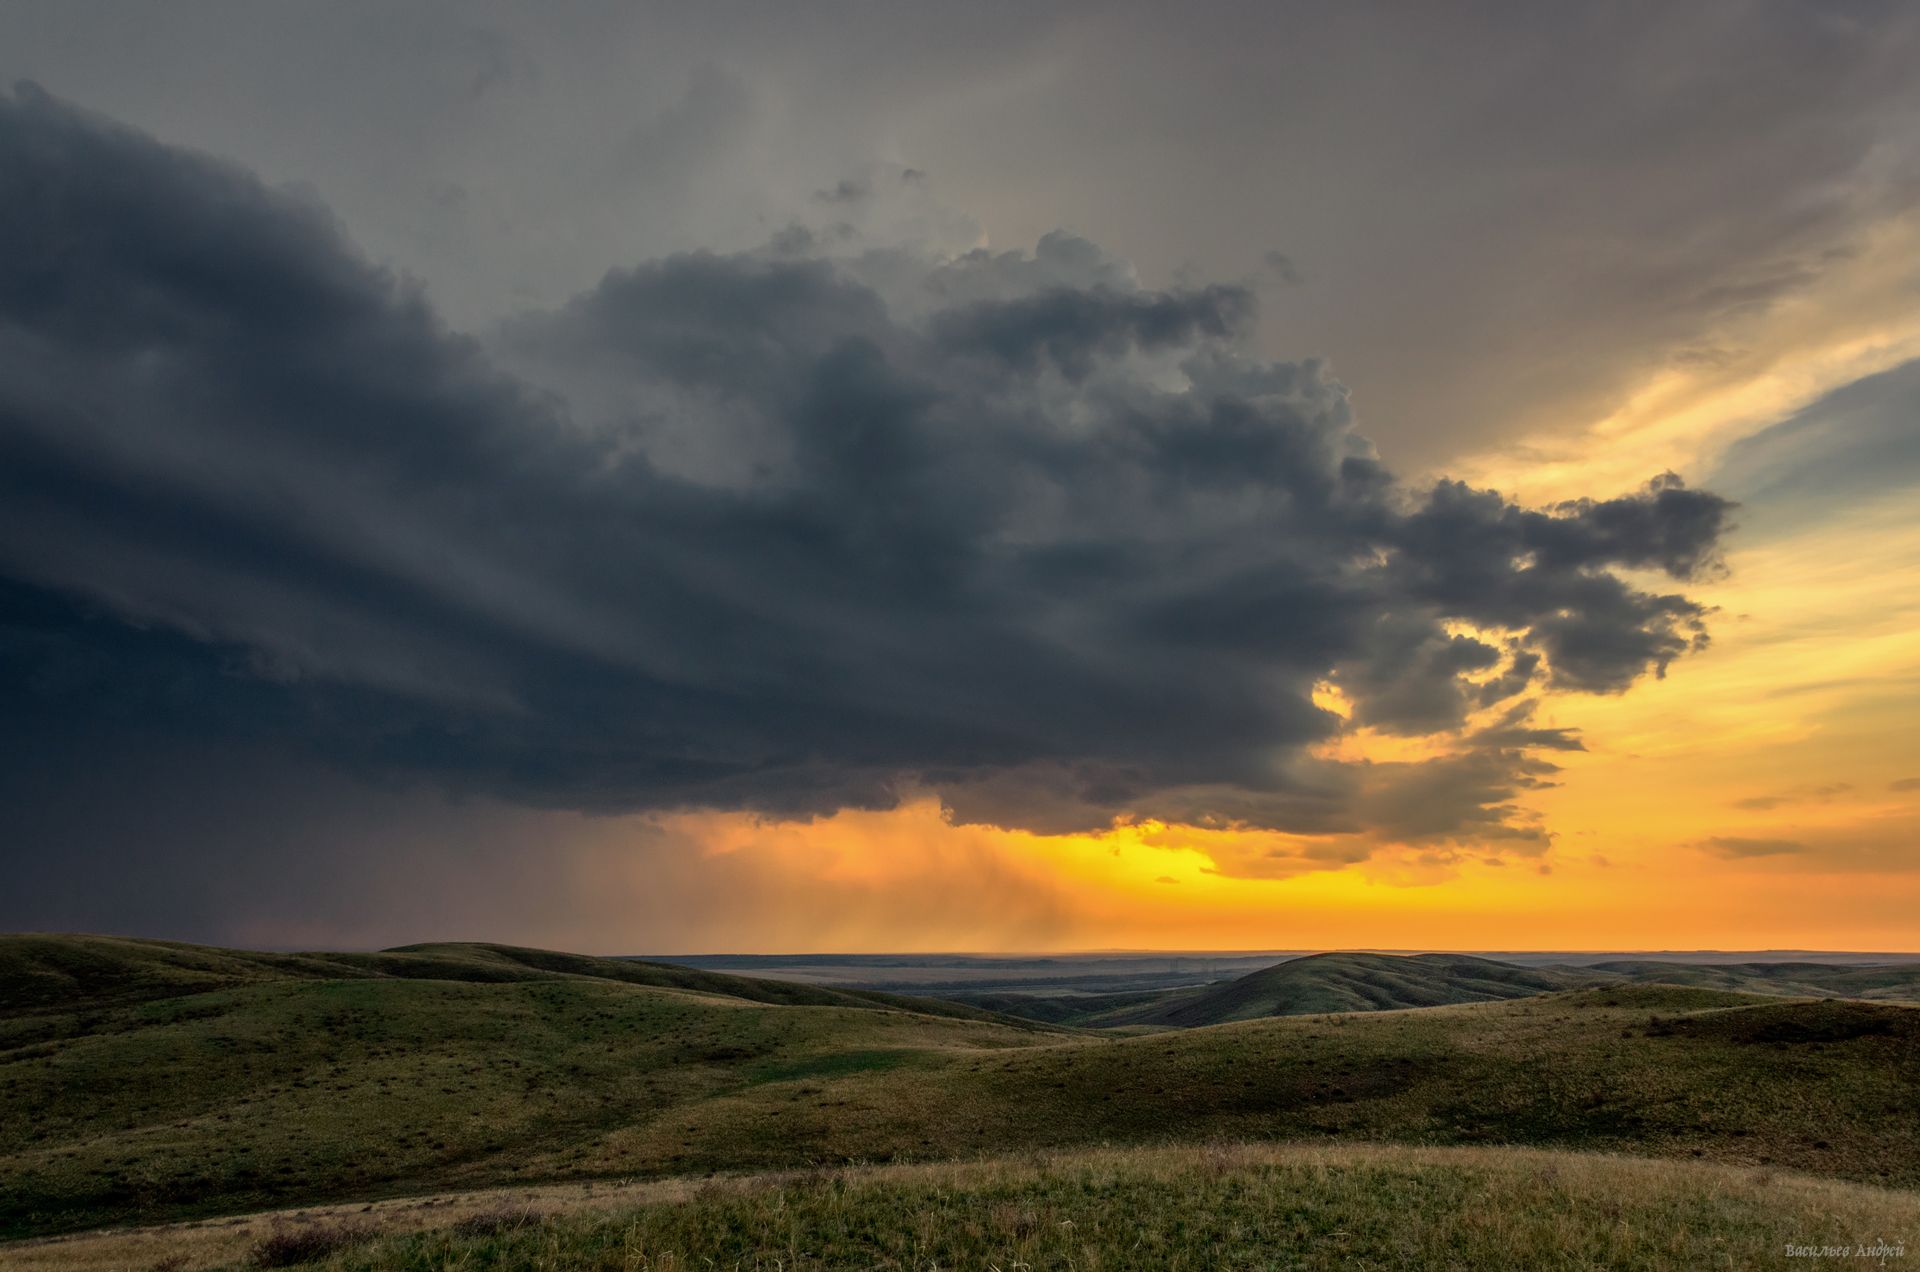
x=56 y=973
x=1324 y=983
x=136 y=1096
x=142 y=1077
x=1826 y=1087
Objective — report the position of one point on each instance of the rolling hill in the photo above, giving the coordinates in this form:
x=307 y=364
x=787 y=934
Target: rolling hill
x=1323 y=983
x=41 y=973
x=163 y=1084
x=1825 y=1087
x=1341 y=982
x=139 y=1076
x=1891 y=983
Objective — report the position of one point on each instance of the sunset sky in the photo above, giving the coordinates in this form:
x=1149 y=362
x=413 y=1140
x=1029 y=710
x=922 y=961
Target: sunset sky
x=772 y=478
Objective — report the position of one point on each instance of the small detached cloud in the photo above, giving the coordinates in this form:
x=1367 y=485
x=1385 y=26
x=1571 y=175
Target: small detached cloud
x=1798 y=795
x=1736 y=848
x=1905 y=784
x=1281 y=268
x=846 y=190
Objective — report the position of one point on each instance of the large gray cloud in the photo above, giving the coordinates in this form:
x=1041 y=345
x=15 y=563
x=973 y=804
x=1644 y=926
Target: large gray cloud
x=1506 y=219
x=764 y=530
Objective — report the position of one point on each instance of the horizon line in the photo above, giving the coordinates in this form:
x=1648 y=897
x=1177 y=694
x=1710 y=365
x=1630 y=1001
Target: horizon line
x=1243 y=953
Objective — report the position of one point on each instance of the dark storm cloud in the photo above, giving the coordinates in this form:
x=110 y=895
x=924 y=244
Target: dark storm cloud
x=749 y=531
x=1072 y=329
x=1444 y=176
x=1477 y=557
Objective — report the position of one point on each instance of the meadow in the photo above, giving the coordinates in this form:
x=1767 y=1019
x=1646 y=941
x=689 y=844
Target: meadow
x=1221 y=1206
x=152 y=1086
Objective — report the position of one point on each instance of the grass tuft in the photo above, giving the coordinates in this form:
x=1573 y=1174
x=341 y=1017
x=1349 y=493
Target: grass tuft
x=497 y=1220
x=292 y=1246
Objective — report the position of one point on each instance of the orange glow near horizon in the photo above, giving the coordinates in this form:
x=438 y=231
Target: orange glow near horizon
x=945 y=888
x=1790 y=728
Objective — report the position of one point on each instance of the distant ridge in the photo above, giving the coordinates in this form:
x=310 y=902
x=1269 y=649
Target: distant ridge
x=1352 y=982
x=40 y=972
x=1345 y=982
x=1592 y=958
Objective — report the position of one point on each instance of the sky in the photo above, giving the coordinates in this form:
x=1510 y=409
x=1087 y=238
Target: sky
x=771 y=478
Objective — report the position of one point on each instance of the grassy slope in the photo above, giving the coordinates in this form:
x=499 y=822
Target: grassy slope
x=1073 y=1010
x=1350 y=982
x=1827 y=1087
x=1186 y=1208
x=145 y=1097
